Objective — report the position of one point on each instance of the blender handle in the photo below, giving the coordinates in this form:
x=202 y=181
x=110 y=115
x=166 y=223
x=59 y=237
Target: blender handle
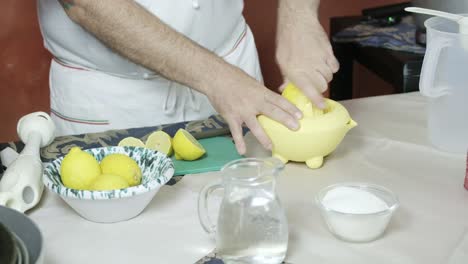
x=429 y=68
x=203 y=216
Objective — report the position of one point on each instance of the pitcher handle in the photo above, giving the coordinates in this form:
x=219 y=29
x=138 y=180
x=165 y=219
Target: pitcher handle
x=428 y=71
x=203 y=216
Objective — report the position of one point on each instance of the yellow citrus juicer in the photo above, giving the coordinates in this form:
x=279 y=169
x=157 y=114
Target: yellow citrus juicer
x=320 y=132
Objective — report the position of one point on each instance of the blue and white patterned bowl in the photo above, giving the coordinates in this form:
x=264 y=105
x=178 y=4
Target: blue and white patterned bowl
x=114 y=205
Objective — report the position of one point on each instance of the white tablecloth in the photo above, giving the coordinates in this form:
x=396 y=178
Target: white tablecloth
x=389 y=147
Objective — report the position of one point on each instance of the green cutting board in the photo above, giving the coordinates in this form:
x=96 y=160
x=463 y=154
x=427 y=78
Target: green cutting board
x=219 y=151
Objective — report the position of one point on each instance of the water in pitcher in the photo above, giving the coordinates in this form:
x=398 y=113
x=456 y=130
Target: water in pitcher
x=252 y=228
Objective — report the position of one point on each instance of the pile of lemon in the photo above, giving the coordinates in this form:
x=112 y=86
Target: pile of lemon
x=184 y=145
x=81 y=171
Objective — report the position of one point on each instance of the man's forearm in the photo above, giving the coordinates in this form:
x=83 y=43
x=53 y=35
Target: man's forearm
x=304 y=52
x=296 y=13
x=309 y=7
x=135 y=33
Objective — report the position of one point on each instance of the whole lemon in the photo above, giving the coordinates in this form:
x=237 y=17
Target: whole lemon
x=122 y=165
x=79 y=169
x=186 y=147
x=107 y=182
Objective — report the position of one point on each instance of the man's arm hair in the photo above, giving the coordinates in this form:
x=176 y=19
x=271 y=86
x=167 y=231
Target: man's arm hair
x=135 y=33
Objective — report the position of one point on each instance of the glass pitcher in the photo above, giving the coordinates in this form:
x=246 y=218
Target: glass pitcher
x=251 y=225
x=444 y=79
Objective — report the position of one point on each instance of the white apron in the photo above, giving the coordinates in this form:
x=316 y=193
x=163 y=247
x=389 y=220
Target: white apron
x=93 y=89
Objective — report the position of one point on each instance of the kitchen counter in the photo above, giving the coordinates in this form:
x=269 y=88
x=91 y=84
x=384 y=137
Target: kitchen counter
x=389 y=147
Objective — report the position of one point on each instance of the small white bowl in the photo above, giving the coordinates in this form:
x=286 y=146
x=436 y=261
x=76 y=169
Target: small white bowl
x=114 y=205
x=358 y=227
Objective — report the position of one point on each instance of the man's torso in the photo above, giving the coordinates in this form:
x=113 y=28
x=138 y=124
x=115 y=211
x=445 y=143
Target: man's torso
x=213 y=24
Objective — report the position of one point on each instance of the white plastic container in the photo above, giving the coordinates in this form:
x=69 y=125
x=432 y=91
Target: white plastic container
x=444 y=79
x=359 y=226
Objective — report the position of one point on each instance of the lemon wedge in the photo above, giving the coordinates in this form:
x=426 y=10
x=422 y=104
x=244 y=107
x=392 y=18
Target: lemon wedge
x=186 y=147
x=296 y=97
x=122 y=165
x=131 y=142
x=160 y=141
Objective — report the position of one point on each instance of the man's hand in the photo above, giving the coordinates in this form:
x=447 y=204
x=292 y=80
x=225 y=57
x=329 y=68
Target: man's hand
x=240 y=98
x=304 y=53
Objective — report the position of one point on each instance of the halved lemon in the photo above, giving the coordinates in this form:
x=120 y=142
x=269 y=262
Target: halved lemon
x=131 y=142
x=160 y=141
x=295 y=96
x=186 y=147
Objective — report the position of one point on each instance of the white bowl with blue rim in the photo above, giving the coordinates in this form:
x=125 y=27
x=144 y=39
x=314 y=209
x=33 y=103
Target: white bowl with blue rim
x=114 y=205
